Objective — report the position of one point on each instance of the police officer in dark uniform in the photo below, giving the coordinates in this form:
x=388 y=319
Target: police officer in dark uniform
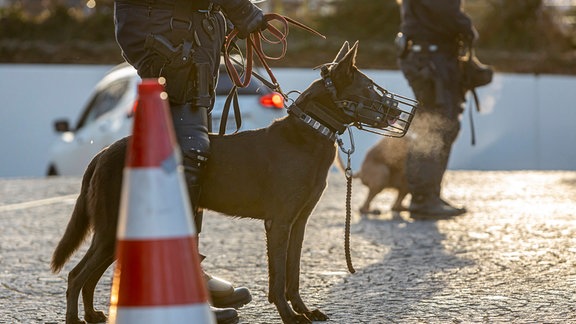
x=181 y=41
x=432 y=33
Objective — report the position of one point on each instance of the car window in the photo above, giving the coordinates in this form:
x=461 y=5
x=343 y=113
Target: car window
x=104 y=101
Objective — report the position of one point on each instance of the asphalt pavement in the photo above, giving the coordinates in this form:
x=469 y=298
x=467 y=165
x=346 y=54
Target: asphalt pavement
x=510 y=259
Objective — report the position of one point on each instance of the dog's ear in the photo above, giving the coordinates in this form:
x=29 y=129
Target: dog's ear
x=343 y=50
x=345 y=68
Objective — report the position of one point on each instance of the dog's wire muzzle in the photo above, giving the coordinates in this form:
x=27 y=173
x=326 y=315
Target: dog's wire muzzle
x=390 y=115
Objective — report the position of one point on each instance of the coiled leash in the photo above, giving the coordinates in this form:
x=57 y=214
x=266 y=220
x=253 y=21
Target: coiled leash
x=348 y=174
x=254 y=45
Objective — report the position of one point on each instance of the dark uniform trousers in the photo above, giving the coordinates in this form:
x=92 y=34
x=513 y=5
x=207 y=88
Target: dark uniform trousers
x=434 y=77
x=186 y=52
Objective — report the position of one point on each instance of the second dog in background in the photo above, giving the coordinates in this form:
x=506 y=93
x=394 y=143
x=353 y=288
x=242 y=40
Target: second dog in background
x=384 y=167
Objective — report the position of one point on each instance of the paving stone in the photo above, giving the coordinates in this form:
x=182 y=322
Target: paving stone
x=511 y=258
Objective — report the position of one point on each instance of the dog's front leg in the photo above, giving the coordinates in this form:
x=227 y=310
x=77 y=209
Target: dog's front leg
x=397 y=206
x=277 y=236
x=293 y=272
x=372 y=192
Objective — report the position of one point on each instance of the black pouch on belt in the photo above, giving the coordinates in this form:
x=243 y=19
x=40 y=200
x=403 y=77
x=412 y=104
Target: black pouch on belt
x=474 y=73
x=178 y=67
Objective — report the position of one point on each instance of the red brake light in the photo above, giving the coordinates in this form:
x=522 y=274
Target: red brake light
x=133 y=111
x=272 y=100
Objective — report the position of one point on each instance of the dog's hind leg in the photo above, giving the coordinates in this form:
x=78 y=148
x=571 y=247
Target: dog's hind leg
x=75 y=283
x=277 y=236
x=293 y=269
x=90 y=314
x=78 y=277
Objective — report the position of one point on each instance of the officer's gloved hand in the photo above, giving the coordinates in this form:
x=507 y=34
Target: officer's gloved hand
x=245 y=16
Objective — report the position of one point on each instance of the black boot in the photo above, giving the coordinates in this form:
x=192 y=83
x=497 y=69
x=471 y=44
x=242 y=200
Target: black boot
x=432 y=206
x=191 y=125
x=225 y=315
x=224 y=294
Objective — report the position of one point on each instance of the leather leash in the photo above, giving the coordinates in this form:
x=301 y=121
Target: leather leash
x=472 y=129
x=254 y=45
x=348 y=174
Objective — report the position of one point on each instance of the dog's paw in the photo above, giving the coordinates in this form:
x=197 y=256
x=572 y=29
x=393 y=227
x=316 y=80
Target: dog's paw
x=95 y=317
x=76 y=320
x=399 y=208
x=372 y=212
x=316 y=315
x=300 y=319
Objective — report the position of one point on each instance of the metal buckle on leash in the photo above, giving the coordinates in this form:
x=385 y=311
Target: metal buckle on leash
x=348 y=152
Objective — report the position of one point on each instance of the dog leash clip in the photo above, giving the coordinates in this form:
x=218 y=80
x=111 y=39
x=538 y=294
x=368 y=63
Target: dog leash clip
x=348 y=168
x=348 y=152
x=341 y=142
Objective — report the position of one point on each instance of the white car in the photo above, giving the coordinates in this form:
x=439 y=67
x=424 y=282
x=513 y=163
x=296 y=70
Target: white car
x=108 y=117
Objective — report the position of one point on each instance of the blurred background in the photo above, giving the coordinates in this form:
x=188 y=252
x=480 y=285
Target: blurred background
x=53 y=53
x=527 y=36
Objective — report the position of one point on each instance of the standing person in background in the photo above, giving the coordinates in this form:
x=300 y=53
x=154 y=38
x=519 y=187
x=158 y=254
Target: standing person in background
x=181 y=41
x=432 y=34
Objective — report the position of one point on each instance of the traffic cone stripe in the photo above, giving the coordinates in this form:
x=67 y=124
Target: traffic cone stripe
x=148 y=211
x=167 y=314
x=153 y=134
x=157 y=278
x=171 y=268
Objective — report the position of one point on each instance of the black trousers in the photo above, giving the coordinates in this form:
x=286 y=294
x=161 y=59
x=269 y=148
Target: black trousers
x=435 y=80
x=133 y=24
x=156 y=44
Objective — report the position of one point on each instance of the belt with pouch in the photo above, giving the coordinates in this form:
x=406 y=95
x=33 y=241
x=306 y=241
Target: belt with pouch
x=428 y=47
x=196 y=5
x=417 y=48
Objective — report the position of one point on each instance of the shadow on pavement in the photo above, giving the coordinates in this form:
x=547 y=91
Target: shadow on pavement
x=408 y=273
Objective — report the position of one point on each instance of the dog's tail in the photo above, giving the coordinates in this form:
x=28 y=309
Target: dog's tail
x=342 y=167
x=78 y=226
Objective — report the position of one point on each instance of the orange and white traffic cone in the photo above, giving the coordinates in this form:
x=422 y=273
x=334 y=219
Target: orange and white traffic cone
x=157 y=278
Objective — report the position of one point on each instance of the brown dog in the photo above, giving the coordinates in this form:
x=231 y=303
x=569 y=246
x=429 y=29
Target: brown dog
x=287 y=163
x=384 y=167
